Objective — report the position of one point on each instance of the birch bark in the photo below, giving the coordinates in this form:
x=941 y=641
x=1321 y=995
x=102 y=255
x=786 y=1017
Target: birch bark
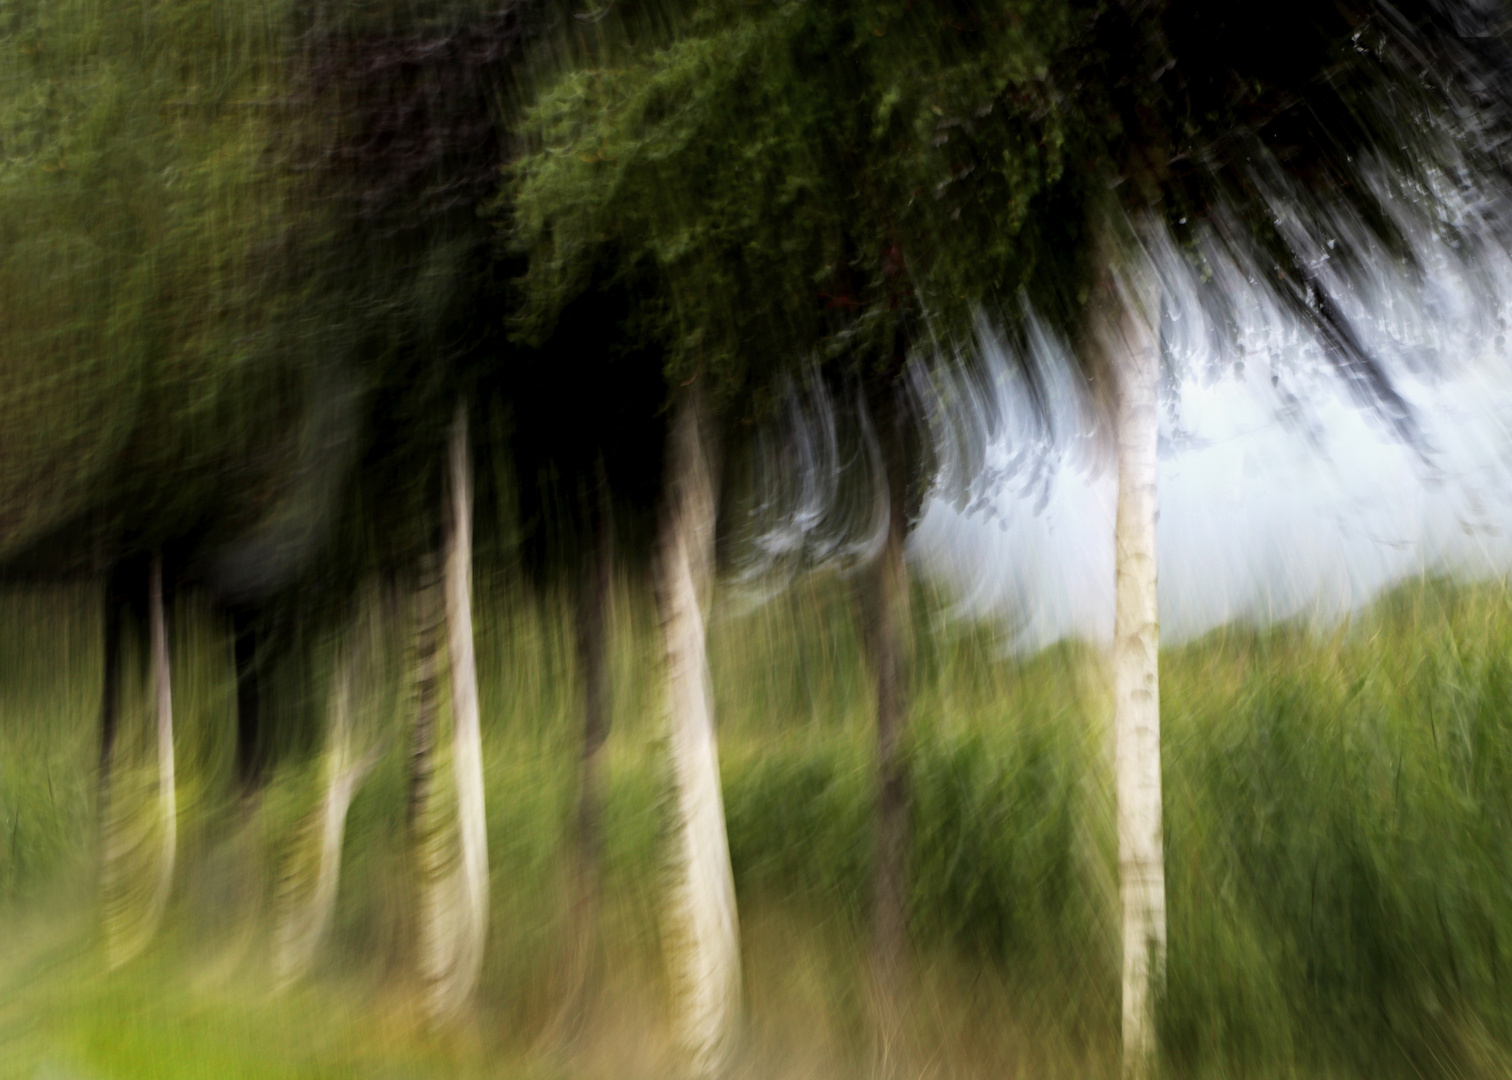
x=167 y=791
x=456 y=917
x=129 y=927
x=306 y=923
x=1129 y=307
x=428 y=618
x=706 y=960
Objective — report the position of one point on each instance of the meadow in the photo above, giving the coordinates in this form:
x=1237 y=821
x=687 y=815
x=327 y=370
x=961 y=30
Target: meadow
x=1338 y=828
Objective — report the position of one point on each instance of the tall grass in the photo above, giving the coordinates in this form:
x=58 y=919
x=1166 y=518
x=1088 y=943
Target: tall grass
x=1338 y=816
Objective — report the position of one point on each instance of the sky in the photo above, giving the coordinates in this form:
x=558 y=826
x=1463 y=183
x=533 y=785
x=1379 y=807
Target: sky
x=1281 y=494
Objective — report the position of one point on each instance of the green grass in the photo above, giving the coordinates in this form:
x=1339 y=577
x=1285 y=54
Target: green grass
x=1338 y=839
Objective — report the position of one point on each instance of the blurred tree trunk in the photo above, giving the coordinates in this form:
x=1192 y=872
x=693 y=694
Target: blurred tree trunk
x=310 y=890
x=594 y=596
x=249 y=641
x=706 y=956
x=167 y=789
x=248 y=700
x=130 y=926
x=428 y=619
x=110 y=694
x=1126 y=334
x=887 y=638
x=455 y=912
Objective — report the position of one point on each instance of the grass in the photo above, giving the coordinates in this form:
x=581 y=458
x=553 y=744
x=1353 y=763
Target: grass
x=1338 y=835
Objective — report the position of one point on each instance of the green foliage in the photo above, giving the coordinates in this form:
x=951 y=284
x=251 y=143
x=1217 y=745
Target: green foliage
x=150 y=327
x=780 y=175
x=1339 y=822
x=788 y=182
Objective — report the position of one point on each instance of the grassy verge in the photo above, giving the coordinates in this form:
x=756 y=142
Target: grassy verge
x=1338 y=818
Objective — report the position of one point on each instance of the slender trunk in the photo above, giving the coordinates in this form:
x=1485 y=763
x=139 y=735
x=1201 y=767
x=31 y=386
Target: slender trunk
x=885 y=616
x=128 y=936
x=428 y=618
x=457 y=919
x=305 y=924
x=594 y=596
x=1129 y=309
x=248 y=648
x=248 y=700
x=110 y=694
x=889 y=619
x=167 y=789
x=706 y=964
x=466 y=724
x=427 y=614
x=162 y=685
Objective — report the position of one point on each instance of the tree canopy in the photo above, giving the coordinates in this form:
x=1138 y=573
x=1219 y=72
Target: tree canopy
x=157 y=338
x=810 y=179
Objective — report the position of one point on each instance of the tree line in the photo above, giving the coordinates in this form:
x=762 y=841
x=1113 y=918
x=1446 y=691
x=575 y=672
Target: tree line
x=275 y=277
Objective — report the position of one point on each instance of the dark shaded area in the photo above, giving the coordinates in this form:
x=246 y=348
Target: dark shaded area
x=248 y=664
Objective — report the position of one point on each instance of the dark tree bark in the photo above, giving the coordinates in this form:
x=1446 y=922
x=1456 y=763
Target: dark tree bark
x=249 y=760
x=885 y=612
x=594 y=596
x=428 y=618
x=125 y=603
x=110 y=690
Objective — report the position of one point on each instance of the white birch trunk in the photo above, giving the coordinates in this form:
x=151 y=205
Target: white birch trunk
x=127 y=942
x=428 y=611
x=306 y=923
x=706 y=960
x=456 y=915
x=167 y=790
x=1129 y=325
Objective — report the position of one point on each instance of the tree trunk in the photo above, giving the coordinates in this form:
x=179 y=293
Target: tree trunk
x=127 y=935
x=886 y=633
x=594 y=598
x=248 y=700
x=456 y=919
x=167 y=789
x=306 y=920
x=706 y=957
x=428 y=620
x=110 y=695
x=249 y=643
x=428 y=614
x=1129 y=298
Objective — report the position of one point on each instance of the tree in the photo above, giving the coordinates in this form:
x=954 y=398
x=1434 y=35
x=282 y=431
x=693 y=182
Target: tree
x=960 y=159
x=589 y=468
x=309 y=881
x=703 y=900
x=155 y=331
x=559 y=214
x=1204 y=123
x=161 y=353
x=455 y=901
x=405 y=146
x=130 y=920
x=740 y=166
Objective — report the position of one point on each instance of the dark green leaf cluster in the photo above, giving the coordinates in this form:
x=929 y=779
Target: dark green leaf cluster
x=151 y=332
x=234 y=236
x=785 y=173
x=857 y=179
